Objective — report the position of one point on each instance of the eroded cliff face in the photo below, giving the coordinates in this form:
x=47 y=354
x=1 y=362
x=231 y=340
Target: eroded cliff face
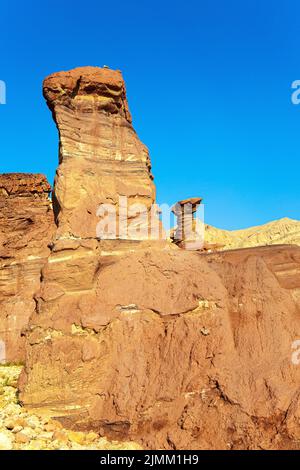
x=26 y=228
x=145 y=341
x=174 y=350
x=101 y=156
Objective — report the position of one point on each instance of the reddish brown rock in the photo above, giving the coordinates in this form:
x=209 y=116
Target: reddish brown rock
x=101 y=156
x=175 y=349
x=26 y=227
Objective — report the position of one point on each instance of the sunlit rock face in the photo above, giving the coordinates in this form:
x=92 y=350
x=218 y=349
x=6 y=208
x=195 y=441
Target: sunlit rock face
x=101 y=156
x=26 y=228
x=172 y=348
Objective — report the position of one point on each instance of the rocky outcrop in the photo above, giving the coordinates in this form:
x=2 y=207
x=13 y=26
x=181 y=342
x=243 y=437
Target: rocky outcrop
x=101 y=156
x=26 y=227
x=145 y=341
x=22 y=430
x=175 y=349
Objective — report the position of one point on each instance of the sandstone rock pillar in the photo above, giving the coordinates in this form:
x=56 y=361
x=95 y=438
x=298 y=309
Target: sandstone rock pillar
x=101 y=157
x=187 y=235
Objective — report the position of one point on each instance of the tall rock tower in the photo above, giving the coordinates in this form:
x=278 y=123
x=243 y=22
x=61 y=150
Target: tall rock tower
x=101 y=157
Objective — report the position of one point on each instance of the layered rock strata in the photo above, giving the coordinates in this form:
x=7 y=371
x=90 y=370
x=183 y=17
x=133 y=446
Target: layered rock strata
x=26 y=227
x=189 y=232
x=173 y=349
x=147 y=342
x=102 y=160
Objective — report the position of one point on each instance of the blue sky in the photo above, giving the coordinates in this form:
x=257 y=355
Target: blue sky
x=209 y=87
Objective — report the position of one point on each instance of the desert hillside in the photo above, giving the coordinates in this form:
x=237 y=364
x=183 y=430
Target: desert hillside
x=284 y=231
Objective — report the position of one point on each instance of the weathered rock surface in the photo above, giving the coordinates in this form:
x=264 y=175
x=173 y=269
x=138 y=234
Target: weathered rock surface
x=101 y=156
x=26 y=227
x=23 y=430
x=144 y=341
x=175 y=350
